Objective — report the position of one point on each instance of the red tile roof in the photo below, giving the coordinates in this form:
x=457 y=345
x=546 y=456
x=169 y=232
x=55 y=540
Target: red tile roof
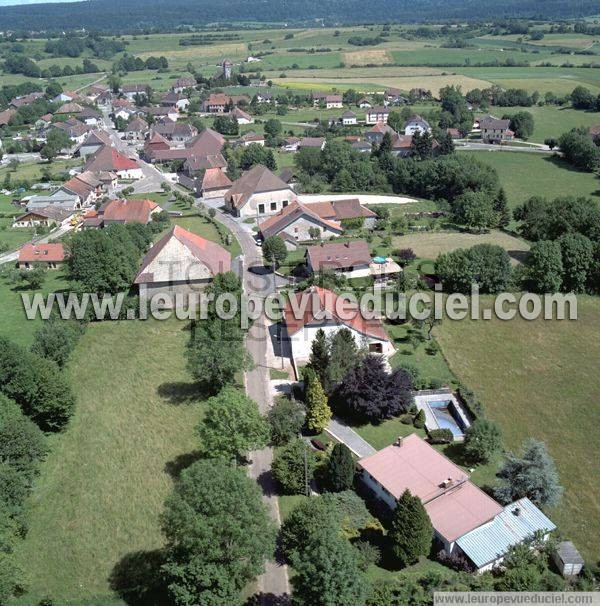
x=128 y=211
x=454 y=504
x=349 y=208
x=275 y=224
x=48 y=253
x=258 y=179
x=215 y=257
x=215 y=178
x=338 y=255
x=109 y=159
x=322 y=301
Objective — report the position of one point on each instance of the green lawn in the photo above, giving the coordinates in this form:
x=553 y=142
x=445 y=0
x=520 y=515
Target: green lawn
x=14 y=324
x=538 y=378
x=526 y=174
x=10 y=238
x=552 y=121
x=102 y=488
x=32 y=171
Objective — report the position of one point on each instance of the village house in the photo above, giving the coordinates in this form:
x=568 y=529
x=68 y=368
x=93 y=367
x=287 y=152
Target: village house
x=376 y=133
x=393 y=96
x=317 y=308
x=214 y=183
x=48 y=256
x=122 y=211
x=241 y=117
x=344 y=209
x=297 y=222
x=178 y=132
x=416 y=124
x=318 y=98
x=258 y=192
x=349 y=259
x=265 y=98
x=162 y=113
x=182 y=83
x=135 y=91
x=290 y=144
x=194 y=166
x=86 y=185
x=94 y=140
x=494 y=130
x=217 y=103
x=59 y=199
x=108 y=159
x=250 y=138
x=65 y=97
x=5 y=116
x=136 y=129
x=334 y=102
x=89 y=116
x=464 y=518
x=313 y=142
x=177 y=100
x=348 y=118
x=76 y=130
x=206 y=143
x=25 y=100
x=48 y=216
x=181 y=263
x=69 y=108
x=364 y=103
x=377 y=114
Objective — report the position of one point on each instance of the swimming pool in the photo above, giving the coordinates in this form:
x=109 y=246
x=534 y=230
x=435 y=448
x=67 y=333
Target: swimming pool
x=447 y=417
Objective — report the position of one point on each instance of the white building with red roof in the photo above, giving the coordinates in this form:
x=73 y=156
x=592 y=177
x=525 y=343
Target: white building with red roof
x=318 y=308
x=49 y=256
x=181 y=262
x=108 y=159
x=464 y=518
x=295 y=222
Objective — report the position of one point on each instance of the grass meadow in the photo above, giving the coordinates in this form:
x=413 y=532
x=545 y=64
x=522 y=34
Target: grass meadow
x=527 y=174
x=537 y=378
x=101 y=490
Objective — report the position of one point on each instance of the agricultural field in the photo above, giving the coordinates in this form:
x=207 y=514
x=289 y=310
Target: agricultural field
x=527 y=174
x=101 y=490
x=537 y=378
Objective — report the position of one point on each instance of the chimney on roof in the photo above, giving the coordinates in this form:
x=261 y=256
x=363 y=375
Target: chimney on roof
x=516 y=511
x=447 y=483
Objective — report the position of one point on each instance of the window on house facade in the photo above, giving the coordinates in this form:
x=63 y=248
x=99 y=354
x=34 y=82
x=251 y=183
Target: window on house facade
x=273 y=205
x=261 y=209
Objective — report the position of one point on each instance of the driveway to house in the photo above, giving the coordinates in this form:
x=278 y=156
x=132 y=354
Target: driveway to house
x=363 y=198
x=338 y=430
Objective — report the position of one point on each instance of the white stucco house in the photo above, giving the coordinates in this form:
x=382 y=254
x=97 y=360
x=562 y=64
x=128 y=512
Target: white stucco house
x=416 y=124
x=350 y=259
x=296 y=222
x=318 y=308
x=181 y=262
x=465 y=519
x=258 y=192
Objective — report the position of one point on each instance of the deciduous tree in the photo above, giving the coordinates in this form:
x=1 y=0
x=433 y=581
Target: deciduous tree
x=218 y=534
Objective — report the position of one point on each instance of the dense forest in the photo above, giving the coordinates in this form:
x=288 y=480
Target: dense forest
x=152 y=14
